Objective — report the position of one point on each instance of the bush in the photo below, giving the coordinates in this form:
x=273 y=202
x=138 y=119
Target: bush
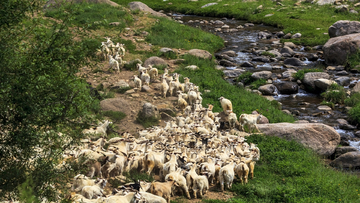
x=265 y=53
x=353 y=61
x=335 y=94
x=354 y=113
x=257 y=83
x=246 y=78
x=300 y=74
x=353 y=100
x=329 y=104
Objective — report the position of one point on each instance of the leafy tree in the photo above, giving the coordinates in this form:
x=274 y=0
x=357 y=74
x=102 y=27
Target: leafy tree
x=43 y=104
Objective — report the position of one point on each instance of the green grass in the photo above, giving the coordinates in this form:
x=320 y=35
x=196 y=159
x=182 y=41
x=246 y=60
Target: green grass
x=353 y=61
x=289 y=172
x=208 y=78
x=115 y=116
x=301 y=73
x=166 y=33
x=265 y=53
x=147 y=122
x=94 y=16
x=353 y=100
x=257 y=83
x=304 y=19
x=334 y=94
x=246 y=78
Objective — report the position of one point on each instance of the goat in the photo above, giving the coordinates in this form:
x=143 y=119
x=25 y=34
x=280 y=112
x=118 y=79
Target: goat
x=162 y=189
x=94 y=191
x=226 y=176
x=250 y=120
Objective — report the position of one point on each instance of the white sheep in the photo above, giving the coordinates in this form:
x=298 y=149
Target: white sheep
x=153 y=72
x=232 y=119
x=137 y=82
x=164 y=87
x=114 y=64
x=226 y=176
x=242 y=171
x=80 y=181
x=94 y=191
x=181 y=102
x=249 y=120
x=180 y=180
x=226 y=104
x=145 y=78
x=201 y=184
x=100 y=130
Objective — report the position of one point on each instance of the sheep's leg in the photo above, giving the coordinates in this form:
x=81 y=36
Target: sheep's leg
x=185 y=189
x=252 y=166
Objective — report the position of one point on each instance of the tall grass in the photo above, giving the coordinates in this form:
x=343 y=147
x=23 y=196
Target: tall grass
x=166 y=33
x=301 y=73
x=95 y=16
x=289 y=172
x=208 y=78
x=335 y=94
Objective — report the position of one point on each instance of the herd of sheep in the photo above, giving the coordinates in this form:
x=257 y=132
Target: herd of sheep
x=189 y=154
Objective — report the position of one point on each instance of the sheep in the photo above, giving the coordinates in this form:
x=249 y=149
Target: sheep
x=140 y=68
x=181 y=102
x=137 y=82
x=145 y=77
x=105 y=50
x=120 y=48
x=164 y=87
x=127 y=198
x=242 y=170
x=150 y=198
x=153 y=72
x=226 y=104
x=180 y=180
x=114 y=64
x=154 y=159
x=250 y=120
x=101 y=130
x=169 y=166
x=192 y=96
x=80 y=181
x=94 y=191
x=77 y=198
x=162 y=189
x=232 y=119
x=226 y=176
x=201 y=184
x=209 y=169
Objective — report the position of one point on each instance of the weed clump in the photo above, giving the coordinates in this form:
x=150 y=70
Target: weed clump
x=114 y=115
x=147 y=121
x=335 y=94
x=301 y=73
x=353 y=100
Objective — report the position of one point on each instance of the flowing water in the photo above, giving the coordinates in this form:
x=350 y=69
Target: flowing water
x=303 y=104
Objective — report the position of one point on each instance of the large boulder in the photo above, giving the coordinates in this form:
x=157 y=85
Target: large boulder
x=268 y=89
x=137 y=5
x=154 y=61
x=287 y=50
x=200 y=53
x=347 y=160
x=233 y=73
x=343 y=150
x=116 y=104
x=323 y=84
x=337 y=49
x=286 y=87
x=309 y=79
x=322 y=138
x=343 y=81
x=344 y=27
x=149 y=111
x=323 y=2
x=262 y=75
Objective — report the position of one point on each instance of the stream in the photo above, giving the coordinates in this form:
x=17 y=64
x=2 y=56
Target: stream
x=303 y=105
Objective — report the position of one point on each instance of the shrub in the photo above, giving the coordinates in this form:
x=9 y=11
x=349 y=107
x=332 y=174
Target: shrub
x=329 y=104
x=168 y=55
x=353 y=61
x=257 y=83
x=354 y=113
x=353 y=100
x=335 y=94
x=246 y=78
x=266 y=53
x=300 y=74
x=121 y=90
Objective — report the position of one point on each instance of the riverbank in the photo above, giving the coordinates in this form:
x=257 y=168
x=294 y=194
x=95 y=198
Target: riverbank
x=311 y=20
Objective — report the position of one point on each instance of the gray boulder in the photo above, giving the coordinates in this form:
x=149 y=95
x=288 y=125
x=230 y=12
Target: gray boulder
x=323 y=2
x=200 y=53
x=261 y=75
x=230 y=53
x=154 y=61
x=347 y=160
x=268 y=89
x=310 y=77
x=312 y=57
x=343 y=81
x=294 y=62
x=287 y=50
x=209 y=4
x=343 y=150
x=261 y=59
x=337 y=49
x=233 y=73
x=226 y=63
x=356 y=88
x=288 y=74
x=323 y=84
x=149 y=110
x=286 y=87
x=166 y=50
x=344 y=27
x=322 y=138
x=137 y=5
x=290 y=44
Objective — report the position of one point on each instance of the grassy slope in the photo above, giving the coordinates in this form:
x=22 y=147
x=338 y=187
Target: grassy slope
x=286 y=172
x=304 y=19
